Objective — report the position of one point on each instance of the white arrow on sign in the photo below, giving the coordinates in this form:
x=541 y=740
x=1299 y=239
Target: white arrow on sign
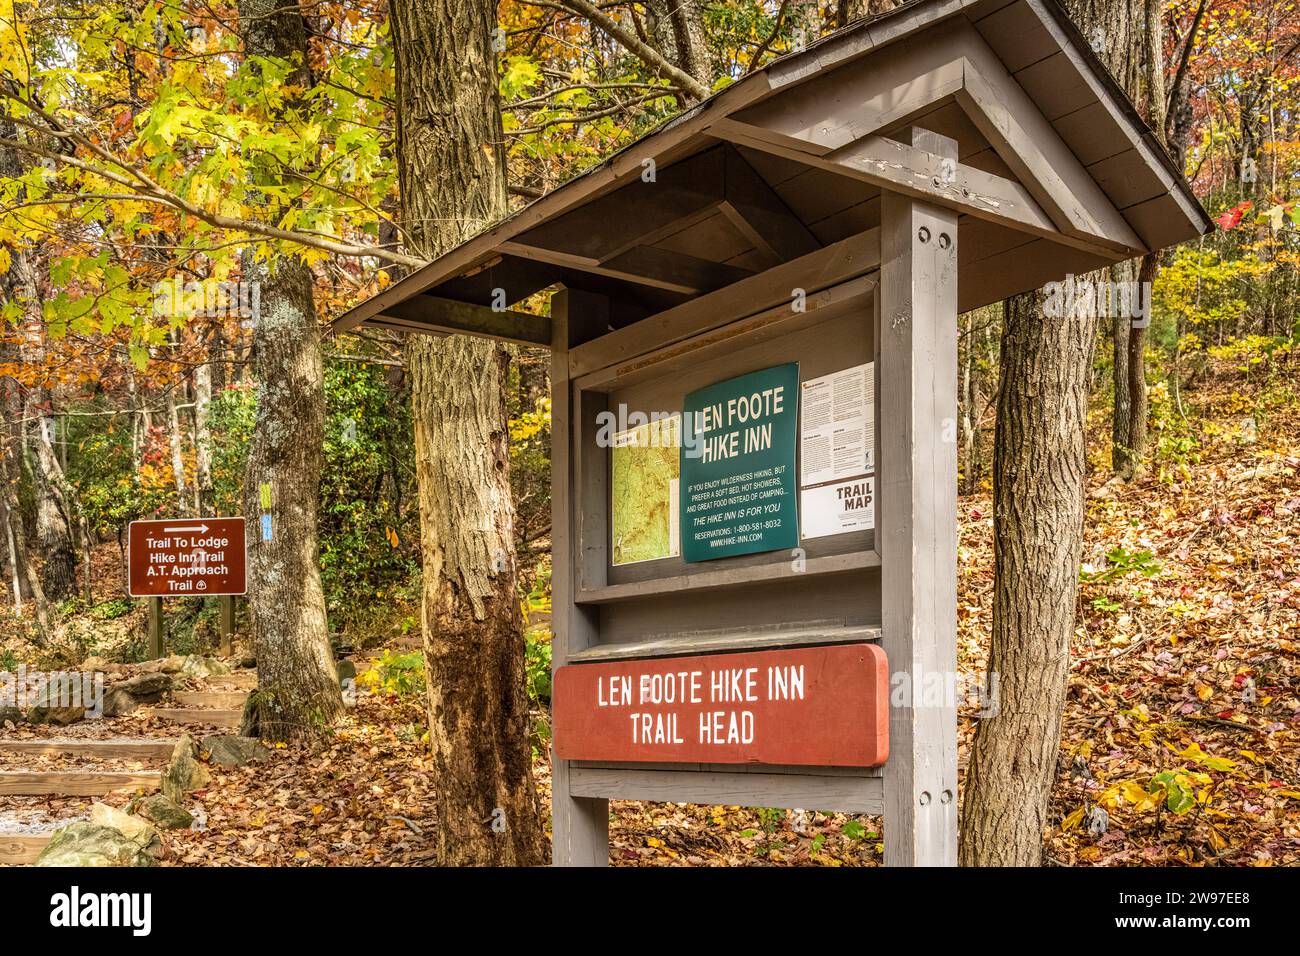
x=201 y=529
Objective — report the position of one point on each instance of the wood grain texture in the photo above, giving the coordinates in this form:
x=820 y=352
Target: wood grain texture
x=75 y=783
x=917 y=522
x=810 y=792
x=22 y=849
x=220 y=699
x=141 y=748
x=195 y=715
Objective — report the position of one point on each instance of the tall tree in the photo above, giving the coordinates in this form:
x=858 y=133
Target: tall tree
x=299 y=693
x=452 y=170
x=1038 y=500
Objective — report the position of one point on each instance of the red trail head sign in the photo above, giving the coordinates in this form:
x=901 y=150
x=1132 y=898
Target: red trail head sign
x=813 y=705
x=186 y=557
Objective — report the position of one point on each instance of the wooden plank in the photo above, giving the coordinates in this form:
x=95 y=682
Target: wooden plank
x=22 y=849
x=705 y=643
x=246 y=679
x=835 y=109
x=674 y=137
x=620 y=218
x=728 y=577
x=760 y=215
x=1034 y=151
x=126 y=748
x=760 y=327
x=813 y=272
x=429 y=313
x=194 y=715
x=892 y=165
x=917 y=517
x=579 y=823
x=1106 y=90
x=222 y=700
x=75 y=783
x=757 y=789
x=816 y=705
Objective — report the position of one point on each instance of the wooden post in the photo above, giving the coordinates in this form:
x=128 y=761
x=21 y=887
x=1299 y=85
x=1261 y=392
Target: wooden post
x=918 y=519
x=156 y=628
x=227 y=608
x=579 y=825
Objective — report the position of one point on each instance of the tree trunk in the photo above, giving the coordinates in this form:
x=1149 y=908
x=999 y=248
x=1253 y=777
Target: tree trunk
x=1039 y=476
x=204 y=494
x=54 y=529
x=451 y=164
x=1038 y=479
x=299 y=696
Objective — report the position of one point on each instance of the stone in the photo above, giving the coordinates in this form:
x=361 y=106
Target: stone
x=89 y=844
x=228 y=750
x=196 y=666
x=136 y=829
x=63 y=700
x=164 y=812
x=125 y=696
x=10 y=716
x=95 y=663
x=347 y=670
x=184 y=772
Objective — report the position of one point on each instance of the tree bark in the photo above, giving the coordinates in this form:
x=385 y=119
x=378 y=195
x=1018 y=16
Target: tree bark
x=1039 y=479
x=299 y=696
x=1038 y=468
x=204 y=495
x=54 y=523
x=451 y=164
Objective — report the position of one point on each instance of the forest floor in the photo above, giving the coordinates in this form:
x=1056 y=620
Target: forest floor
x=1182 y=720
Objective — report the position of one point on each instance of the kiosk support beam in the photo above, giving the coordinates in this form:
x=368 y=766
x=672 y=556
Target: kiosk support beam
x=917 y=520
x=579 y=825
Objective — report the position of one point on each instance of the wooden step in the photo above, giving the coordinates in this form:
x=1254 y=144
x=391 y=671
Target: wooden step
x=244 y=679
x=75 y=783
x=222 y=699
x=22 y=849
x=196 y=715
x=138 y=748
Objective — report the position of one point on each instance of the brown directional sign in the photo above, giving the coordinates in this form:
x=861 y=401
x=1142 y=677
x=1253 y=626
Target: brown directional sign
x=822 y=706
x=186 y=557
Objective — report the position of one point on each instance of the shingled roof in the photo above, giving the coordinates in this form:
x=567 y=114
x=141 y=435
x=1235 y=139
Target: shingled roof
x=1056 y=172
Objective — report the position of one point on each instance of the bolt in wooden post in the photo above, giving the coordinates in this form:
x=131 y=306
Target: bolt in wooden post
x=227 y=606
x=155 y=628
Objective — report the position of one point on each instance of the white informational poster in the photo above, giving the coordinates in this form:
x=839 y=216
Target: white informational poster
x=837 y=442
x=837 y=508
x=837 y=436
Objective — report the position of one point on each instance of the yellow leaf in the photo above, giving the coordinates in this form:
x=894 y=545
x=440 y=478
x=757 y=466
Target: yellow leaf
x=1072 y=821
x=317 y=810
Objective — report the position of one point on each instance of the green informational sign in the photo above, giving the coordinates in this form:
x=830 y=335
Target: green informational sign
x=738 y=488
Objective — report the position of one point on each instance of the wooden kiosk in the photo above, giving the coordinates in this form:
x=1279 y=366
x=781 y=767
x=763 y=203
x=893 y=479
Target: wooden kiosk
x=787 y=258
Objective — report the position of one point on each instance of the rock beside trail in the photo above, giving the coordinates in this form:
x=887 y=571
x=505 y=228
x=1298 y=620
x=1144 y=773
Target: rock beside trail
x=62 y=700
x=125 y=696
x=184 y=772
x=163 y=665
x=136 y=829
x=86 y=843
x=228 y=750
x=347 y=670
x=196 y=666
x=164 y=812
